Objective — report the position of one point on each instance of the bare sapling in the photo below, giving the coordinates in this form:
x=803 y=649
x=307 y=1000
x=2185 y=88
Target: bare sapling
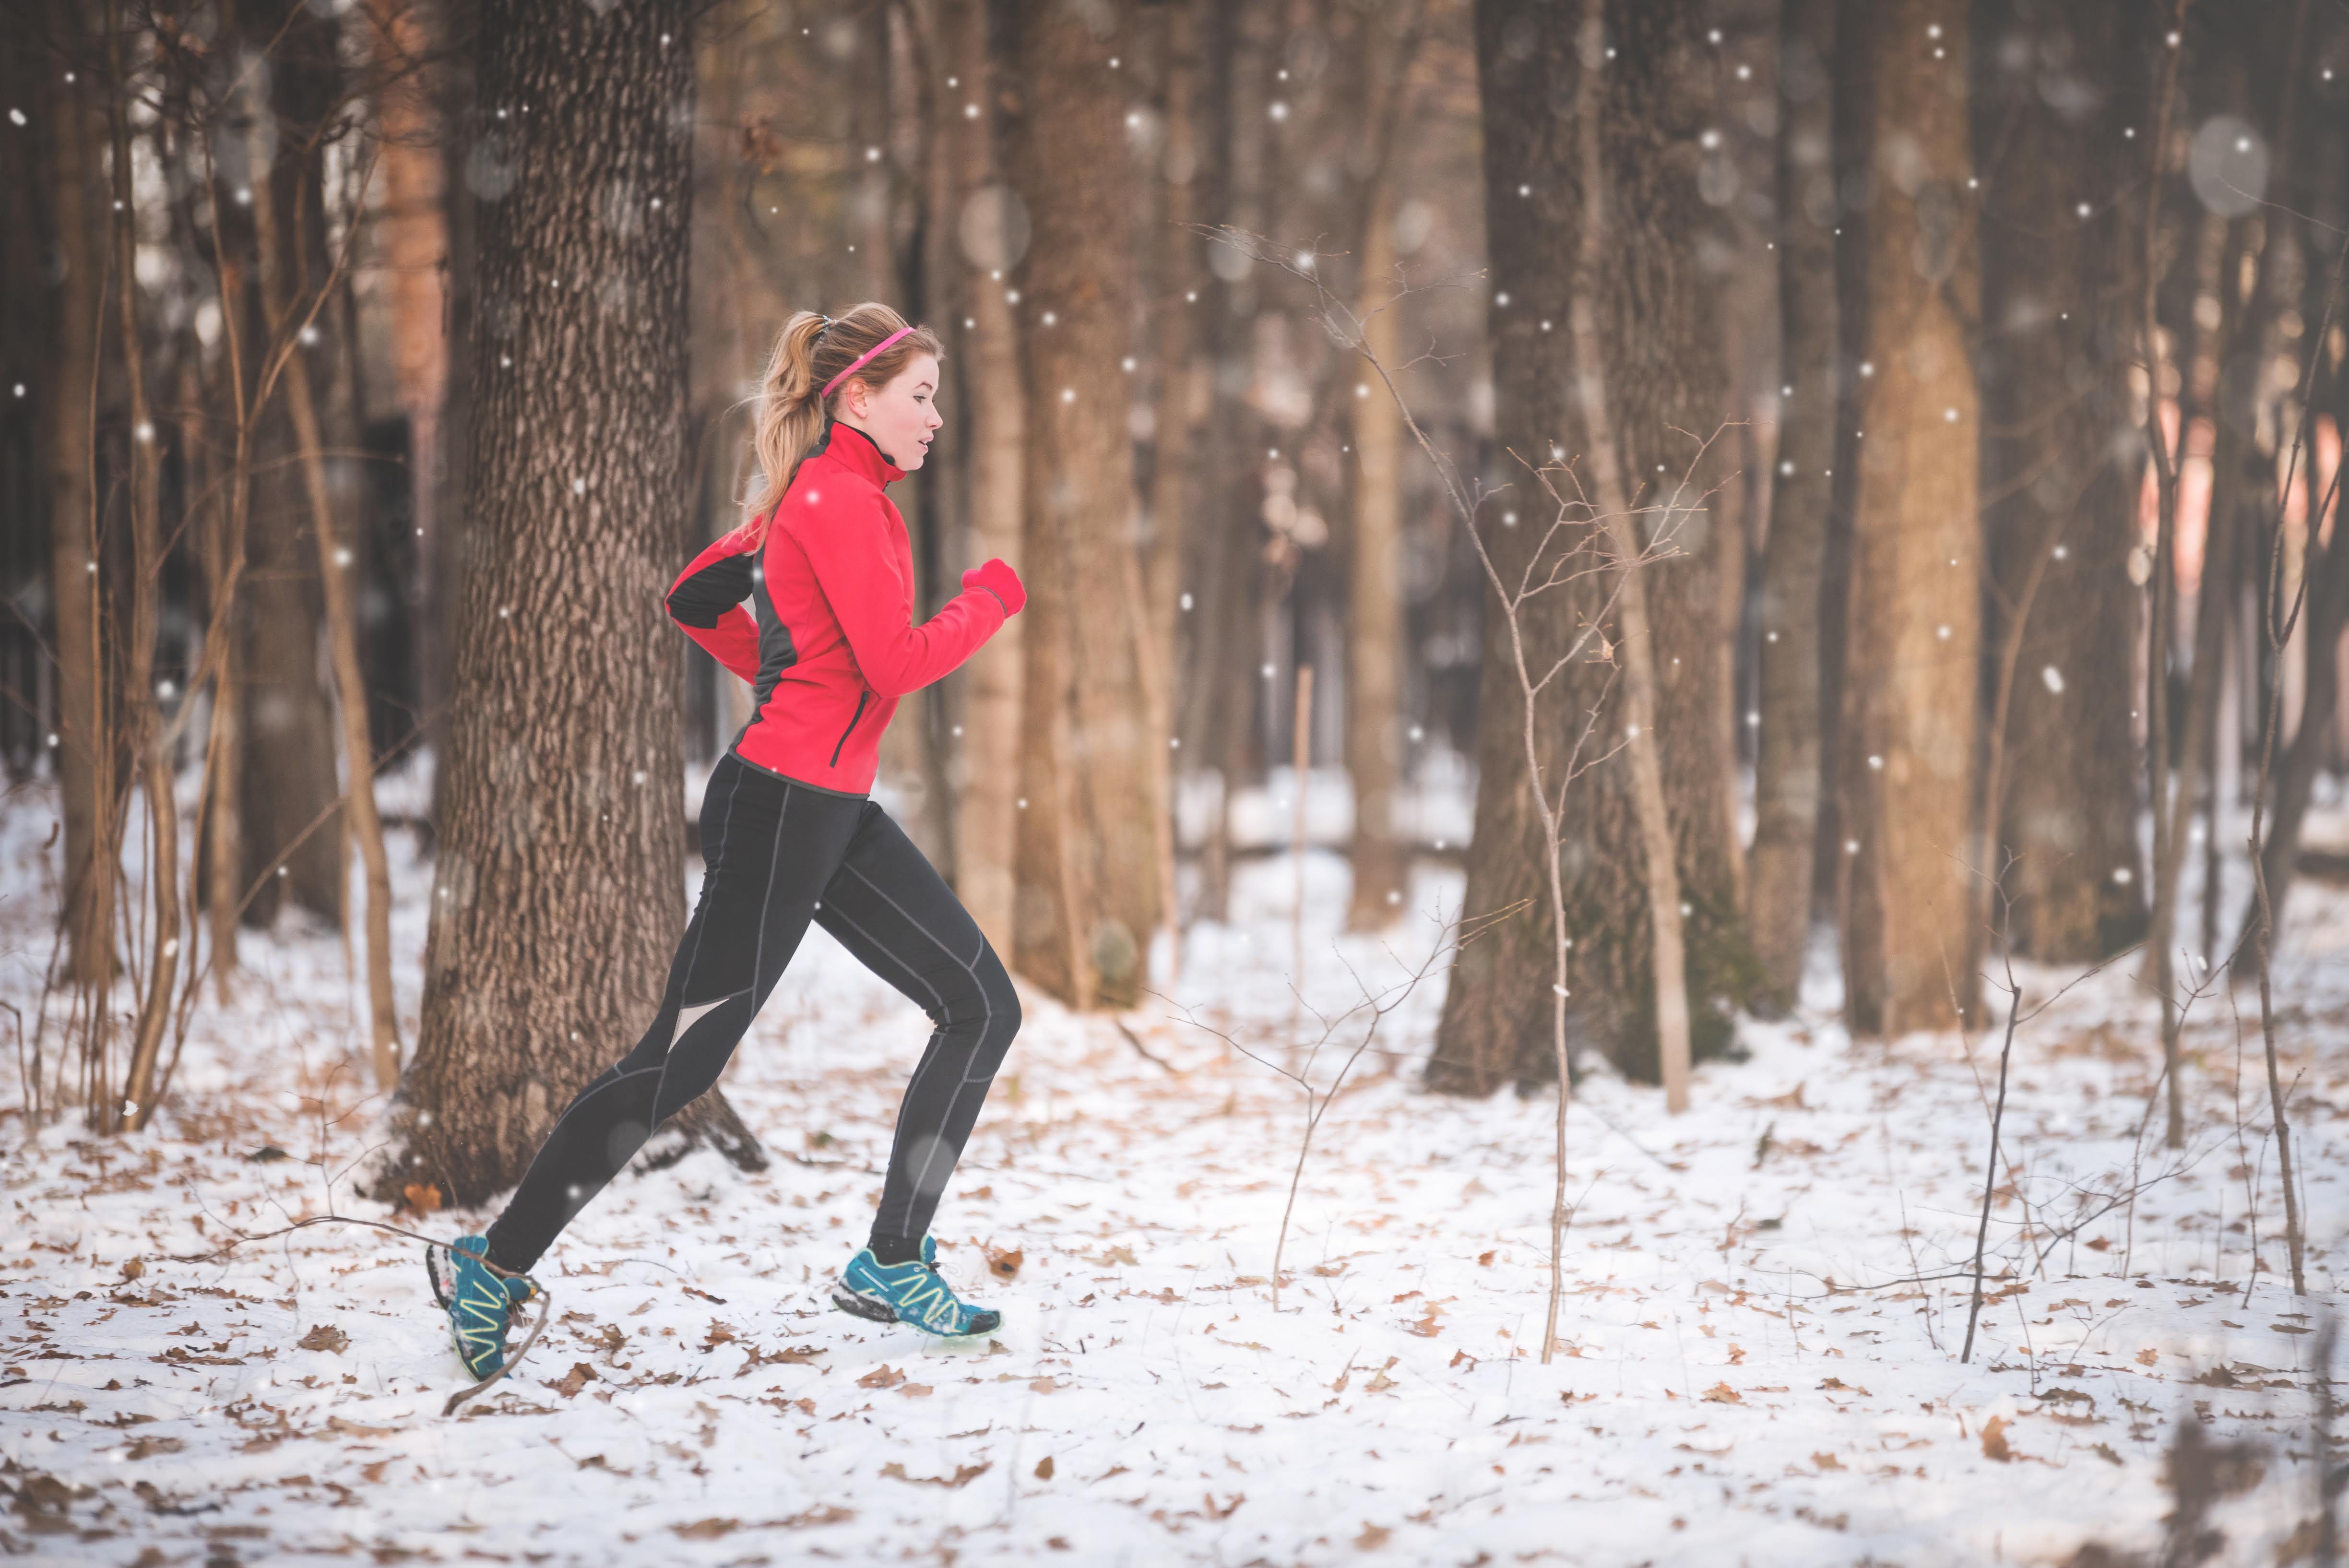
x=2279 y=619
x=1301 y=759
x=146 y=564
x=2165 y=466
x=2013 y=989
x=1579 y=542
x=1369 y=1013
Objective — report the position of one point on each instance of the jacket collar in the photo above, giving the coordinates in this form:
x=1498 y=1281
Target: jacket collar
x=857 y=452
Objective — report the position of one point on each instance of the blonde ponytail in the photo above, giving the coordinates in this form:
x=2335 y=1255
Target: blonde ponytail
x=812 y=350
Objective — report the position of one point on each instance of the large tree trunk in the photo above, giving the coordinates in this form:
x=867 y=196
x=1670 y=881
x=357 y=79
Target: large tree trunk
x=991 y=229
x=1789 y=776
x=1087 y=868
x=1659 y=359
x=1913 y=636
x=557 y=898
x=2061 y=514
x=290 y=818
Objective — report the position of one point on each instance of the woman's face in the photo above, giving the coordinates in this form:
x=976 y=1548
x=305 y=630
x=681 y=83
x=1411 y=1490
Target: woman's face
x=901 y=416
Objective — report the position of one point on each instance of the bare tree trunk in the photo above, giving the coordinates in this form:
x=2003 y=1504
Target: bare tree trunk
x=84 y=747
x=1374 y=587
x=2060 y=785
x=1088 y=895
x=290 y=817
x=1170 y=249
x=1658 y=356
x=1788 y=777
x=1913 y=636
x=2165 y=817
x=1223 y=693
x=989 y=228
x=1640 y=678
x=414 y=227
x=335 y=563
x=163 y=965
x=561 y=783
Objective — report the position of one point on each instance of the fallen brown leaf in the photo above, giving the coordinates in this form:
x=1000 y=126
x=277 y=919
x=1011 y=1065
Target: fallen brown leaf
x=414 y=1199
x=883 y=1376
x=326 y=1336
x=1722 y=1393
x=1826 y=1461
x=708 y=1529
x=1993 y=1440
x=1044 y=1468
x=1373 y=1537
x=578 y=1378
x=963 y=1475
x=1004 y=1262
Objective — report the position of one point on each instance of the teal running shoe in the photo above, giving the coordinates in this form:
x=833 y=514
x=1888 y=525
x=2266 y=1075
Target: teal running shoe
x=911 y=1294
x=480 y=1303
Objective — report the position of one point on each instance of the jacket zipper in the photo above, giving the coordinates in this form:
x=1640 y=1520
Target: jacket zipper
x=861 y=698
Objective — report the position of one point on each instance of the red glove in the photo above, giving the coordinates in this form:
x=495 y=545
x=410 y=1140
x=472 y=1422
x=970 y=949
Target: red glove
x=1000 y=581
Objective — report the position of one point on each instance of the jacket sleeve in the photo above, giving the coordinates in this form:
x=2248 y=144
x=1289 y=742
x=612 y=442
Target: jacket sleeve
x=852 y=554
x=706 y=602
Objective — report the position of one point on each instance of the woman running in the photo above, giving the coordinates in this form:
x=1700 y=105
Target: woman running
x=789 y=835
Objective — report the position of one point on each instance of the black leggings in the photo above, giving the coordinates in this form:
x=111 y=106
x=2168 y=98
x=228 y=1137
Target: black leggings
x=778 y=854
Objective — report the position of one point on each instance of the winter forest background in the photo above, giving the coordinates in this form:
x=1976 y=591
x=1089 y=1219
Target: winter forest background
x=1783 y=556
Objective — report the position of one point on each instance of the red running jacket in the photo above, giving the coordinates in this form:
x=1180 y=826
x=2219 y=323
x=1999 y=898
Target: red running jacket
x=833 y=643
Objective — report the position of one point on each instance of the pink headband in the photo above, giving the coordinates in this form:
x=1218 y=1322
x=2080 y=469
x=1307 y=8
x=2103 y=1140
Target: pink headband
x=868 y=354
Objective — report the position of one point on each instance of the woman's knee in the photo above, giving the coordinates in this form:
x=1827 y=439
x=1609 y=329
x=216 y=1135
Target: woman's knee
x=1002 y=1007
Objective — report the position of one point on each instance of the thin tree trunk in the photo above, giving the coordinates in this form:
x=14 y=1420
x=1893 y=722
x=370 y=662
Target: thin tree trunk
x=1174 y=284
x=1374 y=587
x=83 y=748
x=147 y=568
x=2059 y=788
x=287 y=773
x=335 y=563
x=2165 y=573
x=562 y=785
x=1788 y=778
x=1909 y=728
x=986 y=821
x=1087 y=863
x=414 y=227
x=1224 y=693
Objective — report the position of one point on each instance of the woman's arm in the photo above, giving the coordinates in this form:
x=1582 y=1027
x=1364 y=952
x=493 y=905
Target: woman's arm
x=706 y=602
x=851 y=550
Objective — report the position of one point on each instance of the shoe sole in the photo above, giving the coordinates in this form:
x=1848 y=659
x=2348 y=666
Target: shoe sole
x=875 y=1311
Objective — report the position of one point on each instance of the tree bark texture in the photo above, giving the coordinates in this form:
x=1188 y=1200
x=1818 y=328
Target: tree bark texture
x=1220 y=699
x=288 y=783
x=1087 y=898
x=1660 y=356
x=991 y=229
x=83 y=752
x=1374 y=557
x=415 y=229
x=555 y=899
x=1913 y=634
x=1788 y=775
x=2056 y=350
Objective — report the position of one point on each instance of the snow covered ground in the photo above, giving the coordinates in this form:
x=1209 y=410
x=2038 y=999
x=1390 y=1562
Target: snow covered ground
x=1737 y=1382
